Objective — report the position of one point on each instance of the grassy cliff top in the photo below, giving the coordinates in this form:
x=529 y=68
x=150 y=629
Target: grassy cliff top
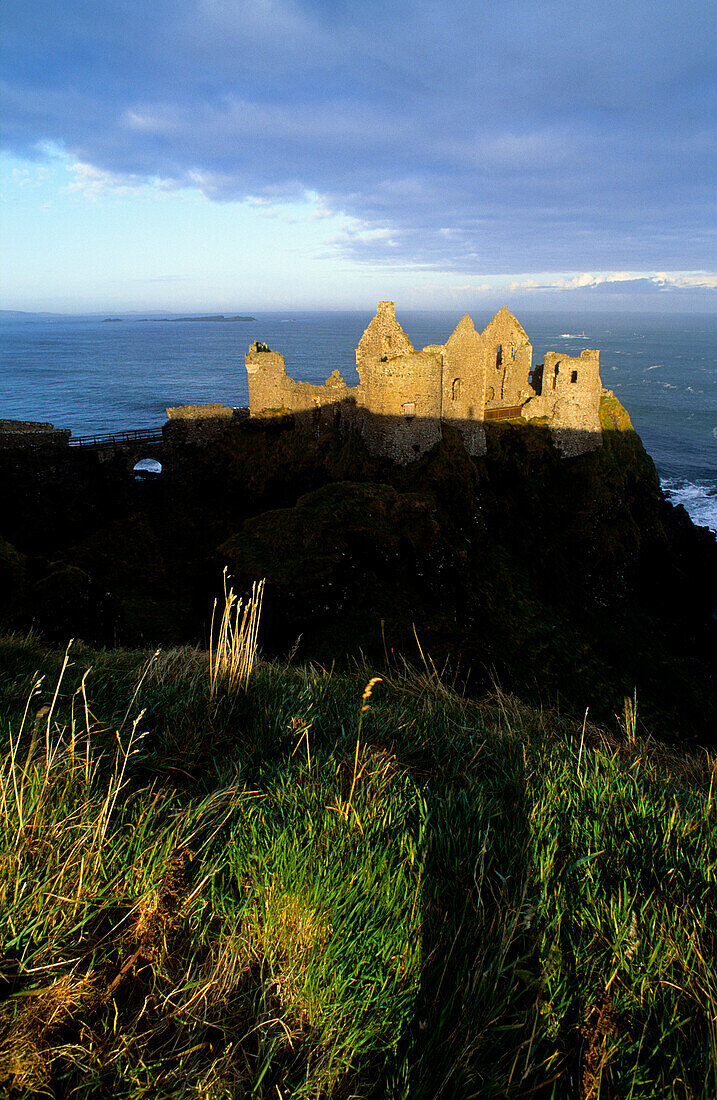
x=334 y=887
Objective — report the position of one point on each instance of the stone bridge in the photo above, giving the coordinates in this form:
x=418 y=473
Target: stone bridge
x=172 y=444
x=131 y=446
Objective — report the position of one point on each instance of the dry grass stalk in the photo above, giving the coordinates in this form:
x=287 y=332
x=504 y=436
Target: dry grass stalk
x=233 y=652
x=425 y=681
x=630 y=718
x=177 y=665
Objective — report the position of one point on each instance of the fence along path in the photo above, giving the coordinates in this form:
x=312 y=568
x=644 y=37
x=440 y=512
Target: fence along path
x=116 y=439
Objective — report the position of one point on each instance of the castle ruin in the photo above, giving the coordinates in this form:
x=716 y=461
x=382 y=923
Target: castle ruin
x=405 y=396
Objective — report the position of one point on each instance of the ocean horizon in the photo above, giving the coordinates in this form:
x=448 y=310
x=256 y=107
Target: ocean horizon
x=92 y=374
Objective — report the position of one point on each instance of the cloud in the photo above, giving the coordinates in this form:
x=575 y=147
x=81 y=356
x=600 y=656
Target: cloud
x=600 y=290
x=622 y=281
x=458 y=136
x=93 y=182
x=611 y=282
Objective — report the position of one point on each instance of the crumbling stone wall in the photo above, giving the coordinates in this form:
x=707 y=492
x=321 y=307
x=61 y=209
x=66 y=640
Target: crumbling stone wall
x=383 y=338
x=200 y=412
x=405 y=396
x=32 y=434
x=272 y=392
x=567 y=393
x=196 y=423
x=464 y=384
x=509 y=359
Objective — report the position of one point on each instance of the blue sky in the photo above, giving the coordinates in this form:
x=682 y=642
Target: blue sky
x=249 y=154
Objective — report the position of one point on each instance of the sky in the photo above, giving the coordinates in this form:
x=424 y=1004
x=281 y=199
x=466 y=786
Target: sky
x=261 y=154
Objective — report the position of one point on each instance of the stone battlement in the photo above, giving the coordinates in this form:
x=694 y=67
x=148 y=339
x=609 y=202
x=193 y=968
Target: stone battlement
x=404 y=396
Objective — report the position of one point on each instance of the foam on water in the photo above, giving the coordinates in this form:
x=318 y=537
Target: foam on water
x=698 y=498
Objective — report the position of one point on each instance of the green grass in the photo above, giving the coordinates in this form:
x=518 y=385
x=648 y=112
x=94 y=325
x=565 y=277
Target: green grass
x=283 y=894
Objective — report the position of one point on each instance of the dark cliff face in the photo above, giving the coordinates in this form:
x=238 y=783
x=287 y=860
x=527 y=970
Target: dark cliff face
x=562 y=578
x=557 y=577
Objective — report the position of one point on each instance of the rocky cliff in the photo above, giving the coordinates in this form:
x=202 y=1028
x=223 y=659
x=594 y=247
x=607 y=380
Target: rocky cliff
x=570 y=580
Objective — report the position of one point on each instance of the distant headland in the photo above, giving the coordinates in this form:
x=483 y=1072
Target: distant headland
x=212 y=317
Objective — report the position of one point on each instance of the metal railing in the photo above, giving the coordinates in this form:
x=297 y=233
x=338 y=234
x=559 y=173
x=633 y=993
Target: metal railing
x=117 y=439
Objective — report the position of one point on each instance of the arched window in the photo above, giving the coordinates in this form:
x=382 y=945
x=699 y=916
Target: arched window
x=499 y=355
x=574 y=376
x=456 y=389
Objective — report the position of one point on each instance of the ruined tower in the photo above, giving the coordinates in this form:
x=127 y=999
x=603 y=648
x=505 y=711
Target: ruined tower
x=568 y=390
x=402 y=402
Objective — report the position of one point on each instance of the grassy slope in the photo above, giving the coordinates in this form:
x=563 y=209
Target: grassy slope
x=285 y=895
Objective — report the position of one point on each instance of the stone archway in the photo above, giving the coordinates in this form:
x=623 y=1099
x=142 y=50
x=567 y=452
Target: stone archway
x=146 y=469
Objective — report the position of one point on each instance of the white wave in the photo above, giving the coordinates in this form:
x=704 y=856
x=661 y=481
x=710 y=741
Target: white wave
x=655 y=366
x=699 y=500
x=573 y=336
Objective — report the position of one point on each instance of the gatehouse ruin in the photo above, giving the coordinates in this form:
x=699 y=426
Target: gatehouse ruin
x=404 y=396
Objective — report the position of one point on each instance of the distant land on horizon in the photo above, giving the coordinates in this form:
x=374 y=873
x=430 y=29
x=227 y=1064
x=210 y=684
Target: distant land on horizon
x=211 y=317
x=28 y=315
x=135 y=315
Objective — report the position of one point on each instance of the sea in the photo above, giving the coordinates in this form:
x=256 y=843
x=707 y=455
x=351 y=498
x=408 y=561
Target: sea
x=100 y=374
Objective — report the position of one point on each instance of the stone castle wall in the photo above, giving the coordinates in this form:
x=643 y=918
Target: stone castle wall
x=568 y=390
x=402 y=404
x=405 y=396
x=464 y=384
x=383 y=338
x=272 y=392
x=509 y=358
x=200 y=412
x=19 y=434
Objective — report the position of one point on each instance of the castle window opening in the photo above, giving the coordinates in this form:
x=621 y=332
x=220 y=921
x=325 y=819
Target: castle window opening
x=499 y=355
x=512 y=351
x=456 y=389
x=409 y=408
x=490 y=394
x=574 y=376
